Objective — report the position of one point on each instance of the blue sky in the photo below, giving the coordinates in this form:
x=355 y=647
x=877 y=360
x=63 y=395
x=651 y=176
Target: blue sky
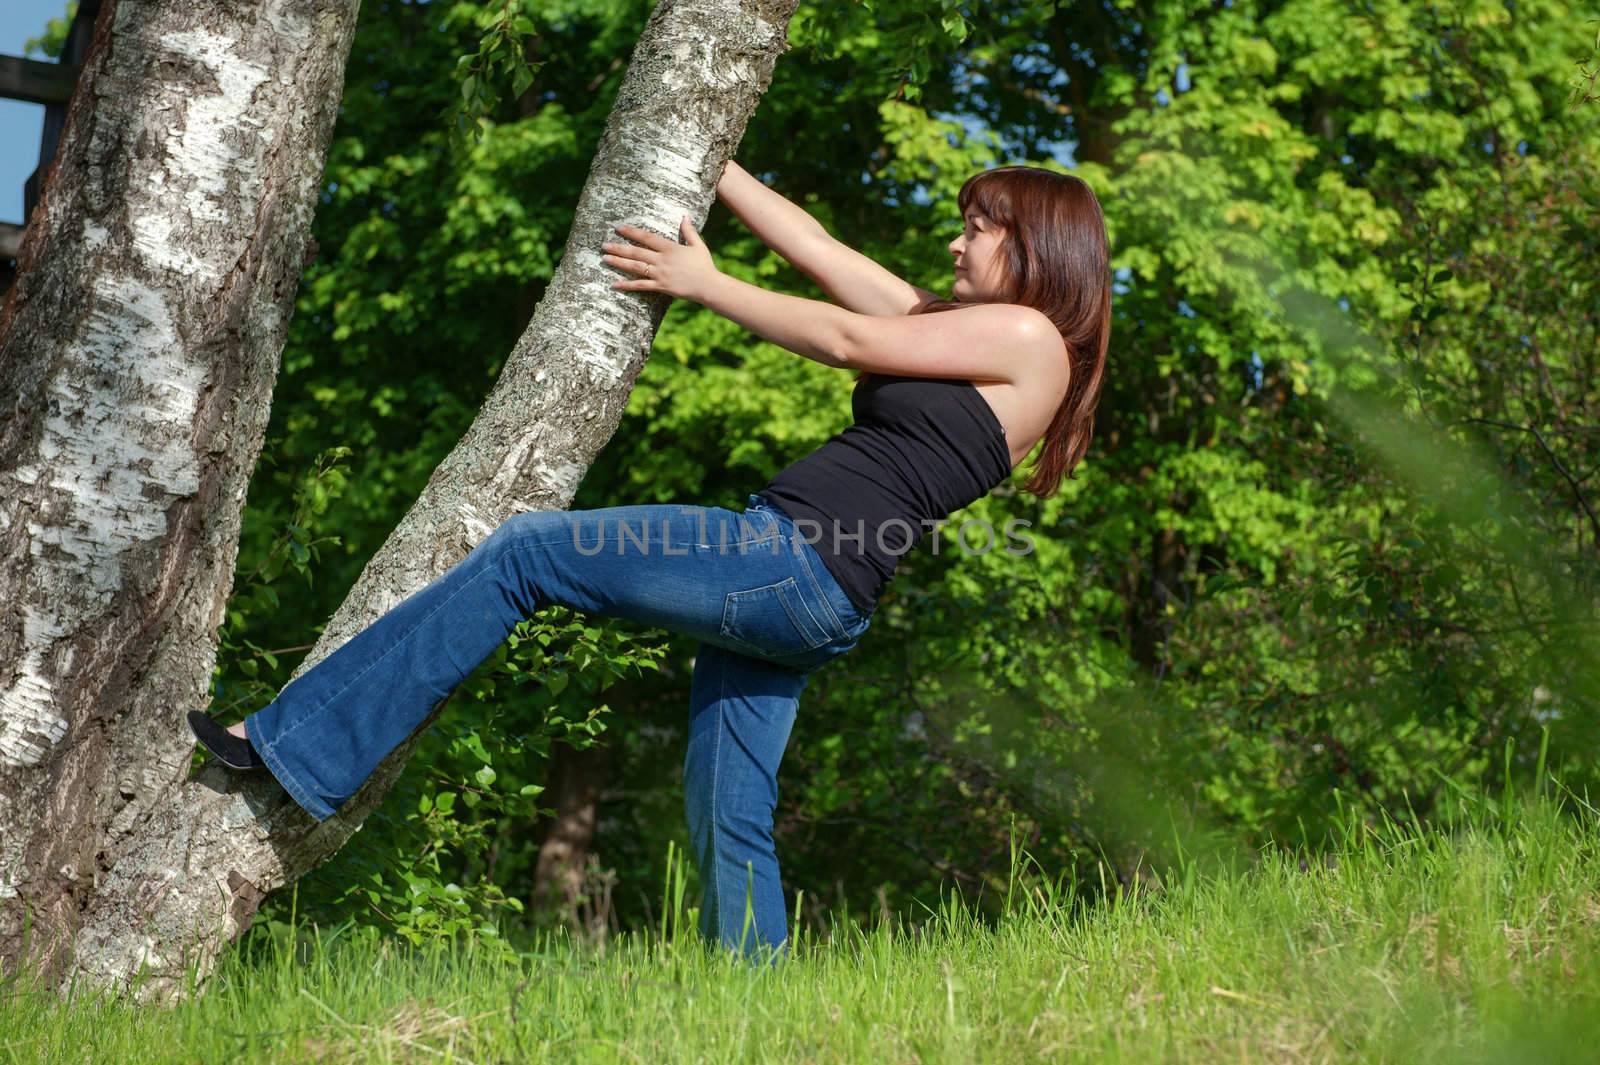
x=20 y=123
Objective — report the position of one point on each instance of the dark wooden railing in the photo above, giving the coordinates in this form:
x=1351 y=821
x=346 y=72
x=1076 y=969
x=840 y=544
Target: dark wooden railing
x=50 y=84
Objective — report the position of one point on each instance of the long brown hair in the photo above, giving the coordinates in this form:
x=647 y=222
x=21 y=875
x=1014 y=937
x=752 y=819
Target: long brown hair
x=1057 y=261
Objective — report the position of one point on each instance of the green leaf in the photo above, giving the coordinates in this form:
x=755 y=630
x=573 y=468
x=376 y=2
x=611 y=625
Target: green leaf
x=474 y=743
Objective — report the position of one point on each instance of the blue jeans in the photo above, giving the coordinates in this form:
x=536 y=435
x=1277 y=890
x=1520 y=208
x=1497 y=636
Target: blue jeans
x=745 y=584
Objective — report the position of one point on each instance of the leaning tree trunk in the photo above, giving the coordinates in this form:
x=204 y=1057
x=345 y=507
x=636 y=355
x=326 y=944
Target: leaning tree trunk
x=188 y=875
x=138 y=350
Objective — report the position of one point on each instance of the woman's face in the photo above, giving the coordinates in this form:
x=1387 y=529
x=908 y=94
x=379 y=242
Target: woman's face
x=978 y=267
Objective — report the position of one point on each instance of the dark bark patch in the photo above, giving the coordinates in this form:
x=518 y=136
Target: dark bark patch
x=246 y=899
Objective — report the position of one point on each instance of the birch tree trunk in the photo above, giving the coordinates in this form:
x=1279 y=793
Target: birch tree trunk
x=138 y=350
x=187 y=875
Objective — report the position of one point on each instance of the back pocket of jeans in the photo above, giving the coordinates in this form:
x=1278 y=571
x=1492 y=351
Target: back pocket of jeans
x=772 y=620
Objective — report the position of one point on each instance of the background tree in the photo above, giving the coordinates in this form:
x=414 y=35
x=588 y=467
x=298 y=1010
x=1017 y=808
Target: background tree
x=1223 y=614
x=1333 y=532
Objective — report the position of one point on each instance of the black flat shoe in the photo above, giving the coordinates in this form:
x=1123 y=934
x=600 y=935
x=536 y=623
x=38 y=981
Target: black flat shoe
x=225 y=747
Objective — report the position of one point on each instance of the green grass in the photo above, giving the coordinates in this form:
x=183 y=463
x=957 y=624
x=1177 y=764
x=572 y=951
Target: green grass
x=1477 y=940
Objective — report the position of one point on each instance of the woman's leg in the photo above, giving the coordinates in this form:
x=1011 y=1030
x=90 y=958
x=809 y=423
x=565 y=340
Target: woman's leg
x=760 y=603
x=741 y=711
x=724 y=577
x=660 y=565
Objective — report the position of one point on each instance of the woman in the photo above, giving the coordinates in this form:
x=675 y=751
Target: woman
x=946 y=406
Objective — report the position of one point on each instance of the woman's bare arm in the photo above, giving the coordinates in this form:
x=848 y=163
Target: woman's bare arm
x=988 y=341
x=849 y=278
x=991 y=341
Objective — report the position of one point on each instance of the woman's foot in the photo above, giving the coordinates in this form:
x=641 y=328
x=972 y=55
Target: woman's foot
x=227 y=746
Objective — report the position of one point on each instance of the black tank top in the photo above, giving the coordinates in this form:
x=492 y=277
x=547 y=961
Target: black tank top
x=920 y=449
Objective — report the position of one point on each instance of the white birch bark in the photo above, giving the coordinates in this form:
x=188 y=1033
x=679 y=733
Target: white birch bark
x=138 y=350
x=187 y=876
